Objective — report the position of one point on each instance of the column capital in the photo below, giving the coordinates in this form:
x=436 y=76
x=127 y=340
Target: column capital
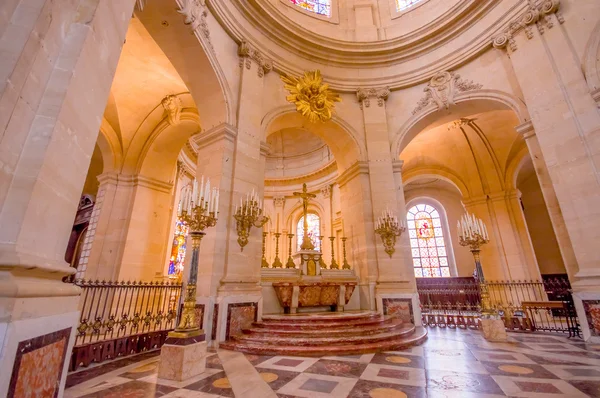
x=247 y=54
x=364 y=96
x=219 y=132
x=397 y=165
x=526 y=130
x=540 y=14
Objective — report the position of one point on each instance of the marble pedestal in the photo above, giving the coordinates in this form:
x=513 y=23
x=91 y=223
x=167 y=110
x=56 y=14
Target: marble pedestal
x=493 y=330
x=181 y=359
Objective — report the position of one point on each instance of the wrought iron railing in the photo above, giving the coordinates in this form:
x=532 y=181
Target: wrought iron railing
x=123 y=318
x=523 y=305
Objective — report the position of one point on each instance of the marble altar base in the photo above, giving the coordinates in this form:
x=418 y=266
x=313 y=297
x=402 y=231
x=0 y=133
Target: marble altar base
x=181 y=362
x=493 y=330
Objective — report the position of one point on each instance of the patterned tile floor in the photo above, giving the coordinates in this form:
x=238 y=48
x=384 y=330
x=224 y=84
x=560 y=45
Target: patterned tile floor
x=451 y=363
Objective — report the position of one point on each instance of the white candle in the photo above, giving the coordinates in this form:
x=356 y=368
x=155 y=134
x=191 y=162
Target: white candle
x=201 y=191
x=195 y=190
x=217 y=205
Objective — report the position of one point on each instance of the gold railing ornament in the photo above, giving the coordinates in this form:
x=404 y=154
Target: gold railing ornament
x=312 y=97
x=472 y=233
x=198 y=208
x=389 y=229
x=249 y=214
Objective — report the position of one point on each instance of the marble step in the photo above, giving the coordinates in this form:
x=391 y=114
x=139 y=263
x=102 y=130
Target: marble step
x=417 y=337
x=321 y=316
x=388 y=324
x=291 y=324
x=317 y=340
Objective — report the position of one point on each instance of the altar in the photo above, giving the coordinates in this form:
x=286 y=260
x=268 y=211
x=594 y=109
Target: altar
x=306 y=284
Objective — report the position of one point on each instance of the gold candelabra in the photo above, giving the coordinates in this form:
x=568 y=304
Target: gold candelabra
x=249 y=214
x=345 y=265
x=389 y=228
x=198 y=208
x=334 y=264
x=472 y=232
x=277 y=261
x=264 y=262
x=290 y=260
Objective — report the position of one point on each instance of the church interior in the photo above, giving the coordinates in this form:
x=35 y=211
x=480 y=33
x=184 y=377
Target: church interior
x=300 y=198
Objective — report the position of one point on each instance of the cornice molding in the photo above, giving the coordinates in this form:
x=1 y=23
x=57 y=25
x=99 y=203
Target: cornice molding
x=364 y=96
x=129 y=180
x=319 y=173
x=358 y=168
x=397 y=166
x=539 y=14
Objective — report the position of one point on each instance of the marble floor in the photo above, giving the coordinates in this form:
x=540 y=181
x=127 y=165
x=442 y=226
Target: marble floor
x=451 y=363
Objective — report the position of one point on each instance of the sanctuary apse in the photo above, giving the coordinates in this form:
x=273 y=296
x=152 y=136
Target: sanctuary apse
x=363 y=157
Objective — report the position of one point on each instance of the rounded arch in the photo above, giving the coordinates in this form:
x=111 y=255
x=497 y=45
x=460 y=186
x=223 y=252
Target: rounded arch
x=515 y=166
x=591 y=62
x=110 y=146
x=444 y=174
x=427 y=200
x=341 y=138
x=194 y=58
x=466 y=104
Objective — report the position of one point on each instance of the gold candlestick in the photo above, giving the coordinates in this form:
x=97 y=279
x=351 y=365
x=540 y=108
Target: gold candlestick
x=389 y=228
x=473 y=233
x=248 y=215
x=264 y=262
x=334 y=264
x=290 y=260
x=277 y=261
x=321 y=259
x=345 y=264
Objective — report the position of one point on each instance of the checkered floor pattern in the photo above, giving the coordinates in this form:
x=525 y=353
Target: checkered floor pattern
x=452 y=363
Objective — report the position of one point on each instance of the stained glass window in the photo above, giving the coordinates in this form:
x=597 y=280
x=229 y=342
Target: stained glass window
x=321 y=7
x=430 y=258
x=314 y=226
x=402 y=5
x=178 y=249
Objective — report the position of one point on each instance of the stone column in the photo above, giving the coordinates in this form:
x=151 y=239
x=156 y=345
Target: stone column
x=567 y=124
x=395 y=275
x=230 y=156
x=556 y=217
x=58 y=61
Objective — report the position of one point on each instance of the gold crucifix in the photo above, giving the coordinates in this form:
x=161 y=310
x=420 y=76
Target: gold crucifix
x=305 y=196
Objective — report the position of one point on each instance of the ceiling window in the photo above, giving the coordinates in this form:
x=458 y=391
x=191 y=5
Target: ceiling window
x=430 y=257
x=402 y=5
x=321 y=7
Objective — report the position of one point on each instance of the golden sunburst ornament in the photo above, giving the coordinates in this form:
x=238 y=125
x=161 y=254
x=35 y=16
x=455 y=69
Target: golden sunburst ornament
x=312 y=97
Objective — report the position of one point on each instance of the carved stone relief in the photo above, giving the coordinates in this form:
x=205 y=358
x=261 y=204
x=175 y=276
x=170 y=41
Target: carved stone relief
x=442 y=89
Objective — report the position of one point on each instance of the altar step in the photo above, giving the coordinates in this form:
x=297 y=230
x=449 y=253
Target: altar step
x=326 y=334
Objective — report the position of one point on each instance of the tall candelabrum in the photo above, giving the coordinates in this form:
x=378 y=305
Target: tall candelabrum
x=345 y=264
x=247 y=215
x=472 y=232
x=264 y=262
x=290 y=260
x=334 y=264
x=321 y=259
x=389 y=229
x=198 y=208
x=277 y=261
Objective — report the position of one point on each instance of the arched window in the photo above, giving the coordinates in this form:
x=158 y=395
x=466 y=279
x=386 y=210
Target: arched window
x=430 y=258
x=178 y=249
x=321 y=7
x=402 y=5
x=314 y=226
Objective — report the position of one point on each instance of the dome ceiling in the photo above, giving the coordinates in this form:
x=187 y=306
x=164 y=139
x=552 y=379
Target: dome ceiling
x=371 y=42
